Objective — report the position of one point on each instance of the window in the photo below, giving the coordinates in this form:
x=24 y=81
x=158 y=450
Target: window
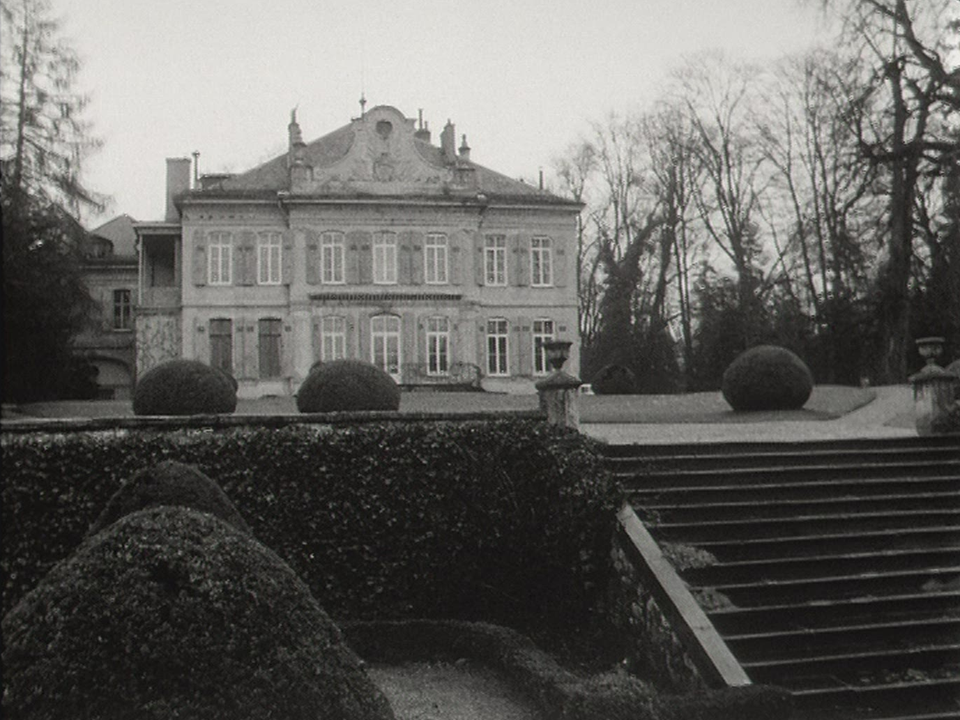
x=543 y=331
x=385 y=258
x=435 y=259
x=331 y=258
x=221 y=344
x=122 y=310
x=270 y=329
x=268 y=259
x=497 y=346
x=495 y=260
x=438 y=346
x=385 y=344
x=333 y=339
x=220 y=255
x=541 y=262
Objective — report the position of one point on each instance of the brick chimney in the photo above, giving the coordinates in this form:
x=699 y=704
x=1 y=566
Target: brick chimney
x=448 y=142
x=178 y=182
x=423 y=129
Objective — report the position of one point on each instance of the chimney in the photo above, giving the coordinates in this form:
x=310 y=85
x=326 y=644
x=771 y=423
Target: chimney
x=178 y=183
x=448 y=142
x=296 y=138
x=423 y=129
x=464 y=150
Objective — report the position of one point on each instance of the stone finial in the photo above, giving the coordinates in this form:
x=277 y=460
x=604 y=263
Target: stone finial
x=464 y=149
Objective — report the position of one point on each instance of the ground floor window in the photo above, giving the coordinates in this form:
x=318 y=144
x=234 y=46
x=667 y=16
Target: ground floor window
x=221 y=344
x=385 y=344
x=333 y=338
x=122 y=310
x=270 y=330
x=438 y=346
x=543 y=332
x=497 y=330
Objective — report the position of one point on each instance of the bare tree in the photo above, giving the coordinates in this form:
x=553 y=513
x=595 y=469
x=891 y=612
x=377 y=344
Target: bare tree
x=913 y=82
x=718 y=97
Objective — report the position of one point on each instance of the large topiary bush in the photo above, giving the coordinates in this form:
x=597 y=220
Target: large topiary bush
x=767 y=377
x=184 y=387
x=343 y=385
x=172 y=613
x=614 y=380
x=169 y=483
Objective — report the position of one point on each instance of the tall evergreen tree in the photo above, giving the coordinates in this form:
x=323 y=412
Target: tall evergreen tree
x=43 y=140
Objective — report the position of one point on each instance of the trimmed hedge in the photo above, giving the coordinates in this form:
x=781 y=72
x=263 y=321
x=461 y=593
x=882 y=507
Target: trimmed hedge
x=507 y=520
x=170 y=613
x=169 y=483
x=614 y=380
x=184 y=387
x=344 y=385
x=767 y=377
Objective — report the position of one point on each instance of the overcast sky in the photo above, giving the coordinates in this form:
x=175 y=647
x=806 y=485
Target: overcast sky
x=522 y=78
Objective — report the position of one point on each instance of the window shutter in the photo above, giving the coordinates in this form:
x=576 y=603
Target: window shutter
x=478 y=257
x=352 y=242
x=416 y=257
x=199 y=258
x=312 y=243
x=408 y=346
x=106 y=309
x=360 y=243
x=201 y=341
x=559 y=264
x=352 y=344
x=249 y=342
x=520 y=249
x=286 y=348
x=245 y=259
x=316 y=338
x=455 y=257
x=524 y=344
x=405 y=258
x=423 y=363
x=482 y=347
x=286 y=258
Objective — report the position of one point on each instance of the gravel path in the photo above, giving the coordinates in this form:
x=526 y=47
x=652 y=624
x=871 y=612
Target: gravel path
x=890 y=414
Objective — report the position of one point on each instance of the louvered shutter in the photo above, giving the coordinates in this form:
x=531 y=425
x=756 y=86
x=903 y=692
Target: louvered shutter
x=199 y=257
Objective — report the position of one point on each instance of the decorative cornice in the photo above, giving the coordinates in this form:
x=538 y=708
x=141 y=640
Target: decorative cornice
x=364 y=298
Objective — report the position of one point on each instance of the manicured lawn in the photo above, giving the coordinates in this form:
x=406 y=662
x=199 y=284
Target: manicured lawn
x=826 y=403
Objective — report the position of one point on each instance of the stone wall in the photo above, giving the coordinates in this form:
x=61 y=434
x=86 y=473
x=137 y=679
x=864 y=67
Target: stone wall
x=654 y=650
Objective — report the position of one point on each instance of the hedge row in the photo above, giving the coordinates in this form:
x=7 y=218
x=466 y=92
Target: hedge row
x=507 y=521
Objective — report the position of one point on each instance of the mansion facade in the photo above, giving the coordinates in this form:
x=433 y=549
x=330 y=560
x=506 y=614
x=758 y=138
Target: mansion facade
x=369 y=243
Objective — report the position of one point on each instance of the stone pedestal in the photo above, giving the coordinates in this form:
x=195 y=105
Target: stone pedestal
x=559 y=399
x=933 y=394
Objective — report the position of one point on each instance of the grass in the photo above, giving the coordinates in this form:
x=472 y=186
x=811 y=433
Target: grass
x=827 y=402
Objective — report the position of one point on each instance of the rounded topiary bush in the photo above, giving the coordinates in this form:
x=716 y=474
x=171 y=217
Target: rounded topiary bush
x=184 y=387
x=614 y=380
x=767 y=377
x=347 y=385
x=169 y=483
x=172 y=613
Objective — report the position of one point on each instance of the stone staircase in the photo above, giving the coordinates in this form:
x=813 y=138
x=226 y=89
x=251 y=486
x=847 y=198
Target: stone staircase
x=829 y=568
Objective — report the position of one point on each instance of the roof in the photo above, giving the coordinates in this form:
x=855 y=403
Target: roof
x=120 y=232
x=377 y=155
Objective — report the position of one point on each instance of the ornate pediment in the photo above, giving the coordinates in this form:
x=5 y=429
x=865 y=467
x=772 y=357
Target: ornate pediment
x=383 y=158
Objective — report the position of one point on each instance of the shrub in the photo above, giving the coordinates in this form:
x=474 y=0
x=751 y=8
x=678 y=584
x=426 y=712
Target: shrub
x=173 y=613
x=767 y=377
x=347 y=385
x=184 y=387
x=169 y=483
x=500 y=520
x=614 y=380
